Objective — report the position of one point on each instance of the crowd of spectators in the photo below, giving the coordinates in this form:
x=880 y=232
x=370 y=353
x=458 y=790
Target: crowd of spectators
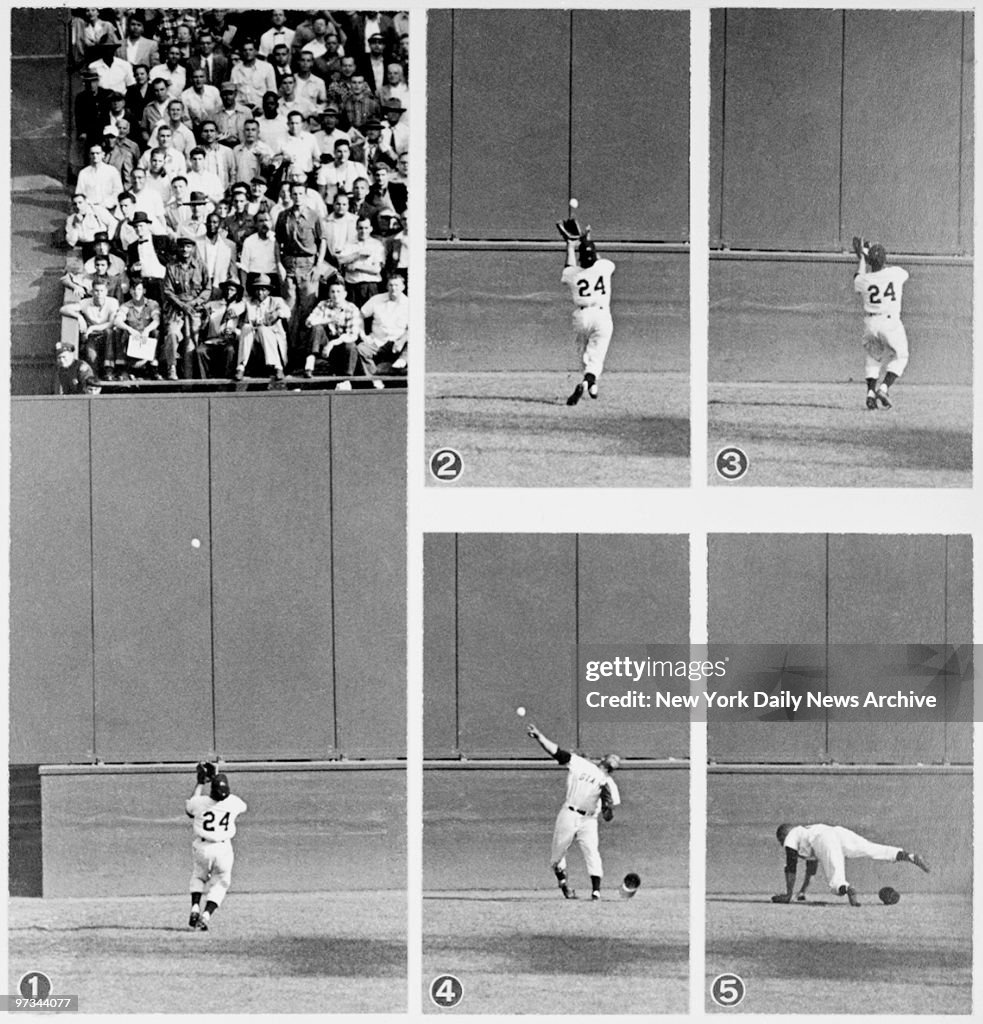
x=242 y=208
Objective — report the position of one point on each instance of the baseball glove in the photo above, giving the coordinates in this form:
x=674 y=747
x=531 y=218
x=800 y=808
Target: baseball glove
x=569 y=229
x=632 y=881
x=889 y=896
x=781 y=897
x=607 y=804
x=205 y=772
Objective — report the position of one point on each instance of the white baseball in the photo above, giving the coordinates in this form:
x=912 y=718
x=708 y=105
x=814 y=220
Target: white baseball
x=521 y=712
x=574 y=204
x=195 y=543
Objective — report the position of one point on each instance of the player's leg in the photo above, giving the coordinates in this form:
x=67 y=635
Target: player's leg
x=873 y=350
x=895 y=362
x=200 y=871
x=596 y=349
x=563 y=833
x=855 y=845
x=829 y=850
x=587 y=840
x=581 y=338
x=222 y=858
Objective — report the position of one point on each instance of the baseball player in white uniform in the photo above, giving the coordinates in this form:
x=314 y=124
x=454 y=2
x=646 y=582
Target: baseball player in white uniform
x=885 y=340
x=213 y=817
x=589 y=280
x=831 y=845
x=591 y=792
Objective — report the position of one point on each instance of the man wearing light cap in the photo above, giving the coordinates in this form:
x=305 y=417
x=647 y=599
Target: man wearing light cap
x=186 y=290
x=72 y=376
x=591 y=792
x=232 y=116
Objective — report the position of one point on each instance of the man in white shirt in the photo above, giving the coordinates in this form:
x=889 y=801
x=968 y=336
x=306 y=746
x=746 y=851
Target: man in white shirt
x=174 y=162
x=383 y=349
x=309 y=86
x=115 y=74
x=217 y=255
x=147 y=200
x=341 y=173
x=339 y=228
x=202 y=180
x=259 y=254
x=298 y=149
x=279 y=33
x=218 y=158
x=136 y=48
x=201 y=101
x=173 y=71
x=182 y=138
x=253 y=77
x=99 y=183
x=252 y=156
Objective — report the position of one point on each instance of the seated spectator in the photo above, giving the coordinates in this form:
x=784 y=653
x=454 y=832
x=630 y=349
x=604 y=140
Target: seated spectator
x=172 y=71
x=184 y=41
x=263 y=322
x=252 y=157
x=373 y=64
x=309 y=197
x=339 y=228
x=115 y=74
x=341 y=173
x=336 y=327
x=72 y=376
x=97 y=335
x=125 y=232
x=157 y=176
x=333 y=36
x=137 y=322
x=291 y=102
x=402 y=172
x=278 y=33
x=362 y=263
x=119 y=157
x=317 y=45
x=272 y=123
x=217 y=255
x=81 y=283
x=202 y=101
x=239 y=223
x=383 y=349
x=186 y=290
x=103 y=247
x=98 y=182
x=218 y=25
x=219 y=344
x=231 y=119
x=261 y=202
x=359 y=192
x=298 y=149
x=84 y=223
x=258 y=255
x=114 y=111
x=123 y=141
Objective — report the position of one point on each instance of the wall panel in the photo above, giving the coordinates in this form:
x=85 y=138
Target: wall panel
x=440 y=644
x=516 y=645
x=901 y=101
x=634 y=589
x=511 y=134
x=368 y=498
x=959 y=630
x=630 y=124
x=272 y=566
x=51 y=684
x=782 y=129
x=440 y=91
x=151 y=588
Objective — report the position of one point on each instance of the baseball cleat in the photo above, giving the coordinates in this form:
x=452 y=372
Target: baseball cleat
x=882 y=397
x=595 y=895
x=871 y=400
x=568 y=893
x=919 y=861
x=800 y=897
x=578 y=392
x=203 y=923
x=851 y=895
x=592 y=390
x=193 y=920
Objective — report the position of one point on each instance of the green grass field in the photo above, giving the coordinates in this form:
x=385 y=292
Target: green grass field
x=516 y=430
x=825 y=956
x=277 y=953
x=822 y=435
x=534 y=952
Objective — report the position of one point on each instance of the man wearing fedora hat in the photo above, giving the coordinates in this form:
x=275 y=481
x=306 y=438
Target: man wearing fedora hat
x=218 y=348
x=186 y=290
x=149 y=252
x=263 y=321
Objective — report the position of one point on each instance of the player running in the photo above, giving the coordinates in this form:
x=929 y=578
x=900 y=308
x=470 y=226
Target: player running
x=885 y=340
x=214 y=823
x=590 y=792
x=589 y=279
x=831 y=845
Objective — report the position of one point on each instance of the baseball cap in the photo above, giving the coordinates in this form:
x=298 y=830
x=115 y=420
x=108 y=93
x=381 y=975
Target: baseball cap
x=186 y=239
x=110 y=129
x=262 y=280
x=228 y=87
x=330 y=109
x=64 y=346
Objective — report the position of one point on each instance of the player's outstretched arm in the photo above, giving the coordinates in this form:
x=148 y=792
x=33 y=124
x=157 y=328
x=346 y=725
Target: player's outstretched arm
x=811 y=867
x=548 y=745
x=571 y=253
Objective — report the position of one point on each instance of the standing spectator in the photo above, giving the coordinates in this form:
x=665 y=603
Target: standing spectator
x=231 y=119
x=262 y=322
x=395 y=136
x=340 y=88
x=202 y=180
x=215 y=65
x=148 y=200
x=217 y=255
x=149 y=253
x=115 y=74
x=309 y=86
x=395 y=87
x=99 y=183
x=362 y=263
x=252 y=157
x=173 y=72
x=258 y=254
x=240 y=223
x=383 y=349
x=137 y=322
x=254 y=77
x=125 y=233
x=339 y=228
x=272 y=124
x=155 y=110
x=218 y=158
x=184 y=41
x=221 y=29
x=289 y=100
x=138 y=95
x=341 y=173
x=279 y=33
x=136 y=48
x=336 y=327
x=114 y=110
x=384 y=194
x=329 y=132
x=360 y=106
x=202 y=101
x=280 y=62
x=299 y=150
x=174 y=161
x=182 y=138
x=88 y=33
x=372 y=150
x=90 y=107
x=72 y=376
x=186 y=291
x=302 y=245
x=373 y=65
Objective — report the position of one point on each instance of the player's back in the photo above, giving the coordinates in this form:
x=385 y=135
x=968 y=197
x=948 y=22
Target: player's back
x=215 y=820
x=881 y=290
x=584 y=782
x=590 y=286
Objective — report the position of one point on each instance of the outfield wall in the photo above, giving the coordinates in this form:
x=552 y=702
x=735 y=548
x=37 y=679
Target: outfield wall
x=829 y=589
x=282 y=635
x=929 y=811
x=490 y=827
x=311 y=828
x=491 y=645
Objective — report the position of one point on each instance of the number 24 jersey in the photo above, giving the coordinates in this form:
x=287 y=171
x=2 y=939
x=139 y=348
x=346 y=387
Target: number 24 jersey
x=882 y=290
x=214 y=820
x=590 y=286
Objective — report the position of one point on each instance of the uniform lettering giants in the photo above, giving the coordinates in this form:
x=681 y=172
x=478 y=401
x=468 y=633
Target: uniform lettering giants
x=584 y=782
